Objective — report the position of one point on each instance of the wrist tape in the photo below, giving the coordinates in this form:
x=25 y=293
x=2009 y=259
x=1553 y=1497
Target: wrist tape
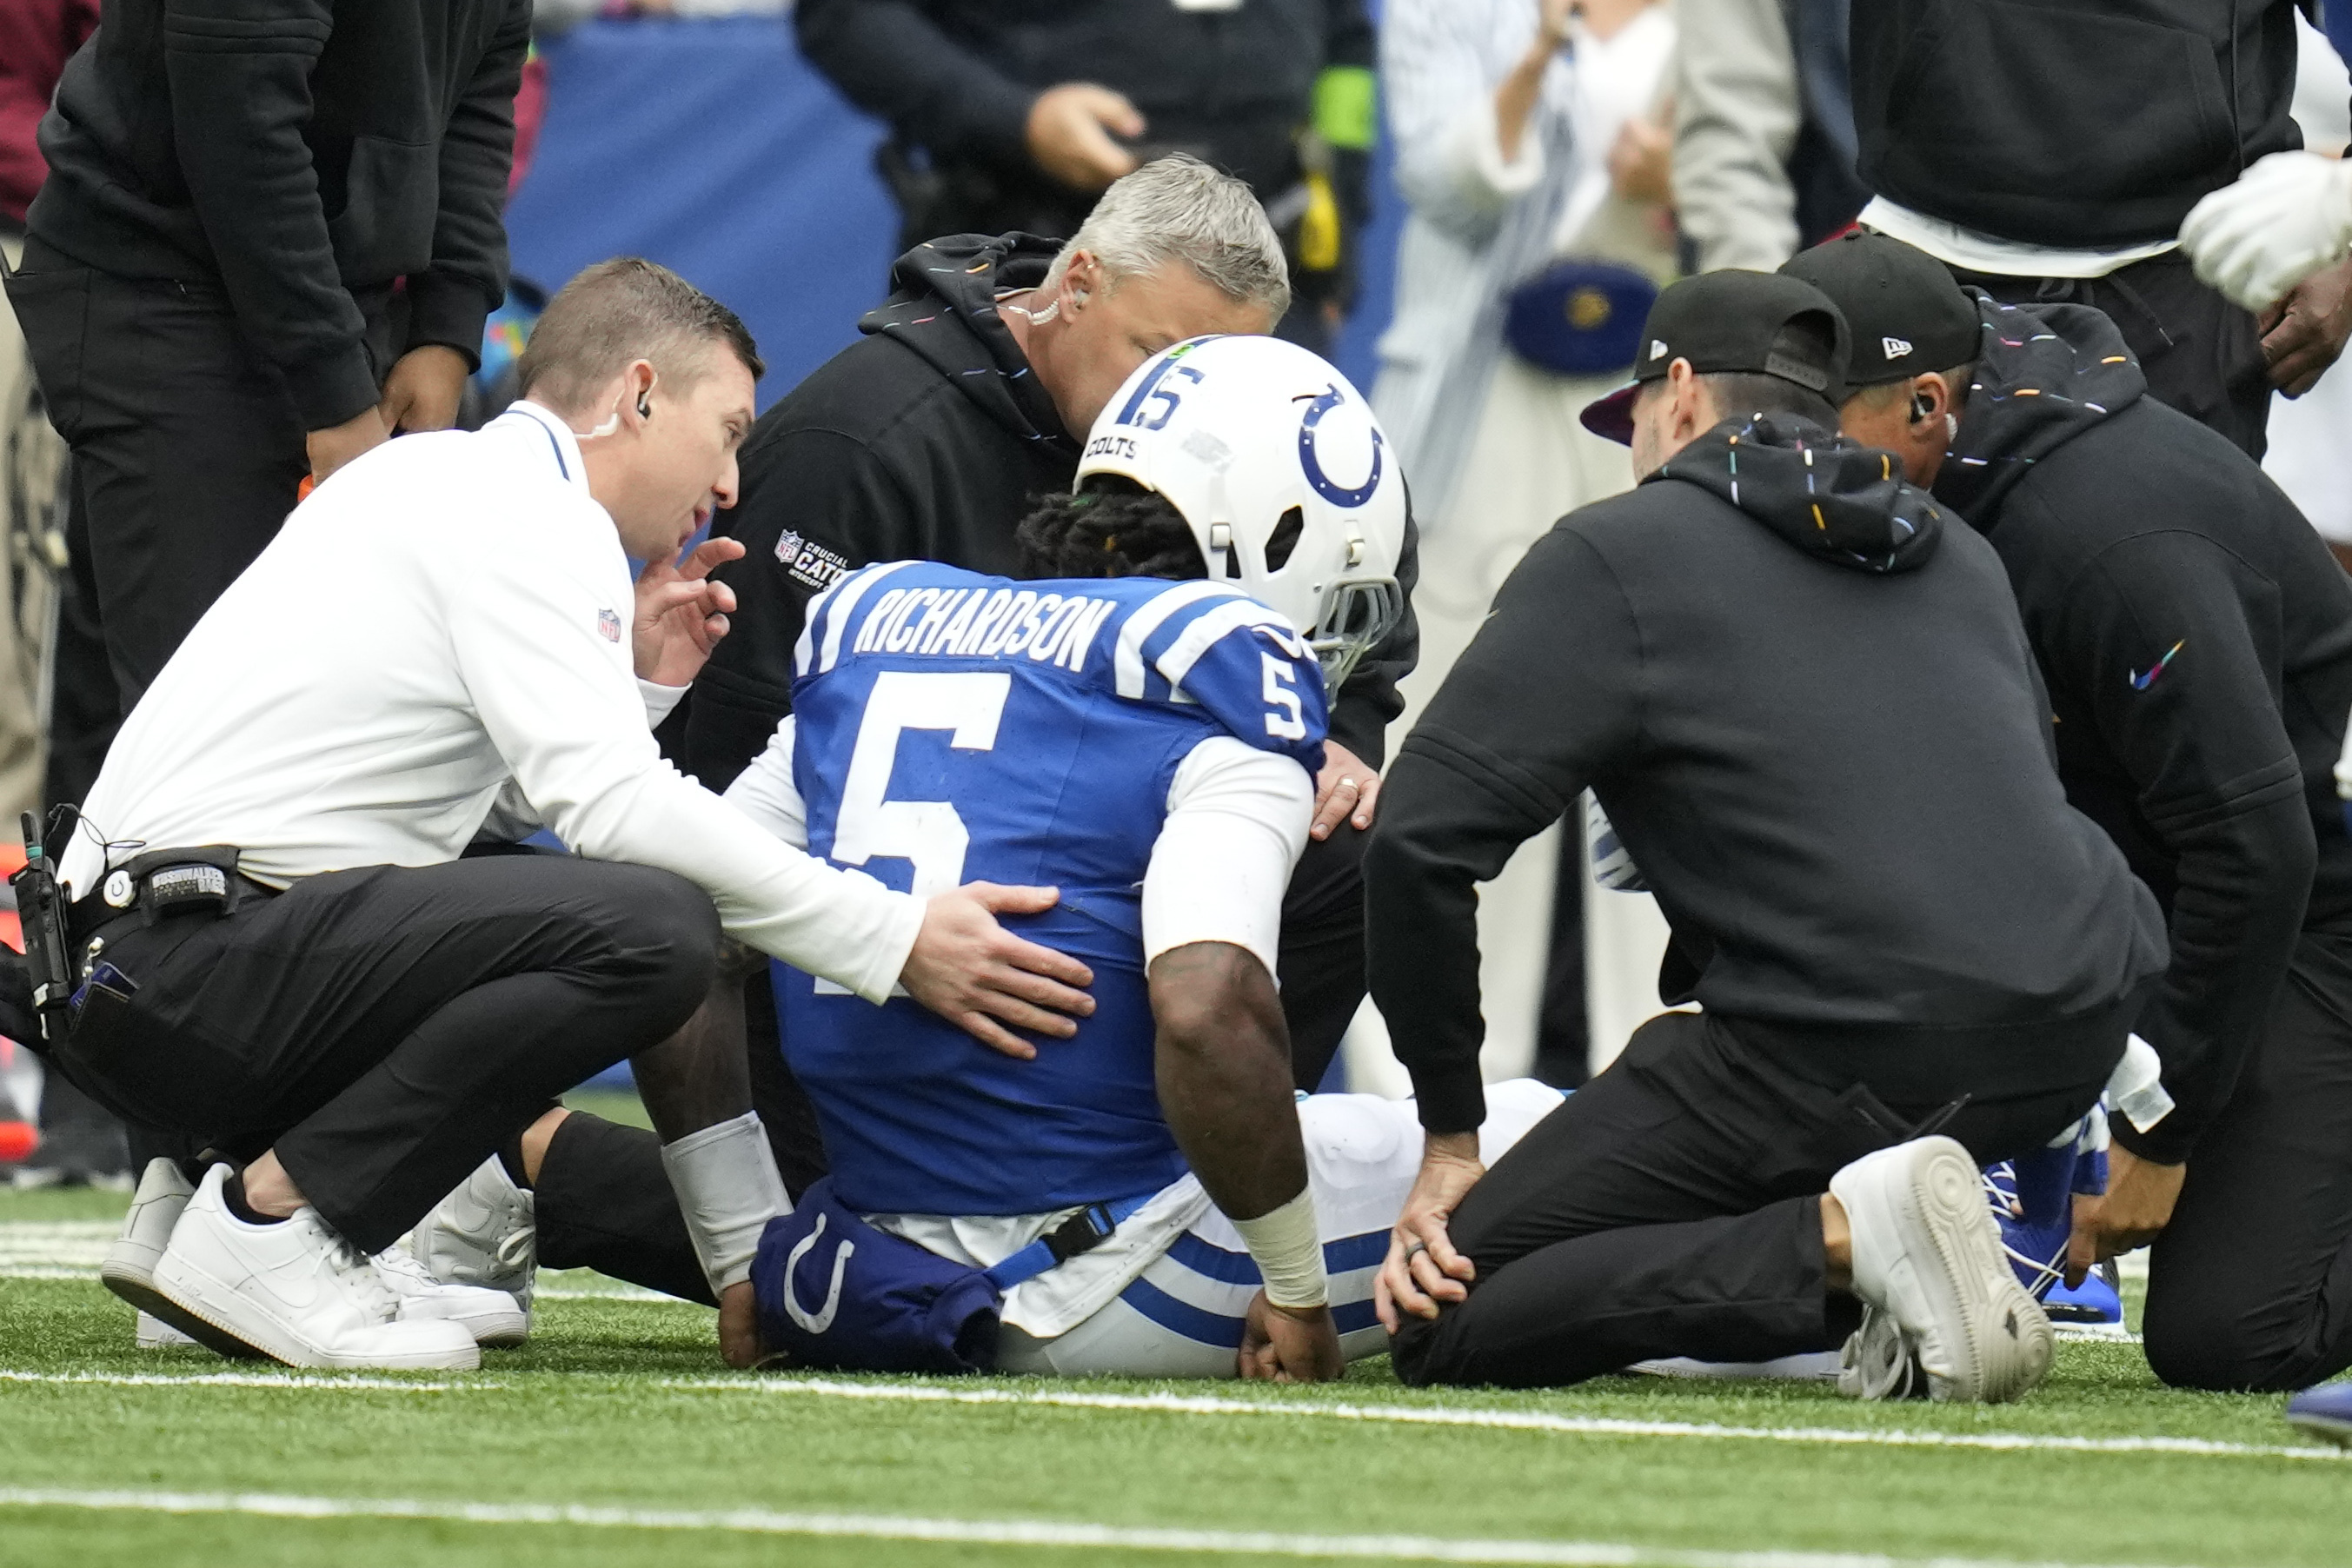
x=2137 y=1086
x=1289 y=1252
x=729 y=1189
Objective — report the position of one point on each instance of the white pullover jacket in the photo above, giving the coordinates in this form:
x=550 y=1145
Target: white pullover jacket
x=447 y=617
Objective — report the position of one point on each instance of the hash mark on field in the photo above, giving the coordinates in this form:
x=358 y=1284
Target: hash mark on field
x=1508 y=1420
x=973 y=1532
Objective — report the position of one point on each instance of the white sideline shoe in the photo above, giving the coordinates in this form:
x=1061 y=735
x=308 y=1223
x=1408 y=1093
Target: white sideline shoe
x=491 y=1316
x=1880 y=1361
x=129 y=1268
x=485 y=1233
x=295 y=1291
x=1928 y=1253
x=156 y=1334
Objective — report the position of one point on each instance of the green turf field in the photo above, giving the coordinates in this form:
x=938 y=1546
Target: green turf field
x=615 y=1436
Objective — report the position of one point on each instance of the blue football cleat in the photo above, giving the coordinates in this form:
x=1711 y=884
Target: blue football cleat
x=2323 y=1412
x=2032 y=1201
x=2092 y=1310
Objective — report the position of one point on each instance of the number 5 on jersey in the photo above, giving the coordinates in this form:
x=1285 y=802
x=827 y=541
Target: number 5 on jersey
x=928 y=834
x=1285 y=719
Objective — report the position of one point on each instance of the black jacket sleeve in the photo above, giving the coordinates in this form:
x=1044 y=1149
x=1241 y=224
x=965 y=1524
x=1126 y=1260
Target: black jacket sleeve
x=240 y=80
x=829 y=490
x=450 y=299
x=1543 y=700
x=888 y=57
x=2180 y=644
x=1368 y=702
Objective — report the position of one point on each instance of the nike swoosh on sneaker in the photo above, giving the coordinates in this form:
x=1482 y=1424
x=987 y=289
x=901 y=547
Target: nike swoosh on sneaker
x=276 y=1282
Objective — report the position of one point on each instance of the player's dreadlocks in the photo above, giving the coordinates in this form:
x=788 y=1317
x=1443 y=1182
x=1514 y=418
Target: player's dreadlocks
x=1112 y=527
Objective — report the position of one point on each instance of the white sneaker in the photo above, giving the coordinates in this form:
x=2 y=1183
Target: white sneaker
x=129 y=1269
x=156 y=1334
x=1880 y=1361
x=295 y=1291
x=491 y=1316
x=1926 y=1251
x=155 y=1208
x=483 y=1234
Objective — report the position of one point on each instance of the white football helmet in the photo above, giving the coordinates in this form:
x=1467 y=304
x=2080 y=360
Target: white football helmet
x=1280 y=469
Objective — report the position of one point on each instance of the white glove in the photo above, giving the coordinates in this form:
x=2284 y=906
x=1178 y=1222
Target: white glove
x=2285 y=219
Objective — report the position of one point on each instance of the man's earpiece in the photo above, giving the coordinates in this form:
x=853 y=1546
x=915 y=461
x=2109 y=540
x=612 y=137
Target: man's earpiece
x=1919 y=408
x=645 y=408
x=1035 y=318
x=1951 y=426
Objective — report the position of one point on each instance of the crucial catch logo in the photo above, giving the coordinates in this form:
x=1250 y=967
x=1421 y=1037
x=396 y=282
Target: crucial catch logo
x=809 y=563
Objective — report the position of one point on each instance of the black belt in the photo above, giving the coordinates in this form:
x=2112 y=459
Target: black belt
x=158 y=884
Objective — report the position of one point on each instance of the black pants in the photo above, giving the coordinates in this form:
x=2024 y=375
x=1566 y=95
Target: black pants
x=2200 y=352
x=1671 y=1207
x=384 y=1030
x=2251 y=1285
x=1322 y=952
x=85 y=709
x=187 y=452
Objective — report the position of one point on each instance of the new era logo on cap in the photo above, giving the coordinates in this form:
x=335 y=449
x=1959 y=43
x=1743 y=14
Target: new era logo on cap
x=1900 y=299
x=1728 y=322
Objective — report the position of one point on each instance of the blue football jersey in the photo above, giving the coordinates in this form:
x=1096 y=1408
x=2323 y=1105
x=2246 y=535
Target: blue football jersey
x=952 y=728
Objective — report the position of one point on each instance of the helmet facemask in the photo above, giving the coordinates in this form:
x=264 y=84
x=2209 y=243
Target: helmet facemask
x=1358 y=613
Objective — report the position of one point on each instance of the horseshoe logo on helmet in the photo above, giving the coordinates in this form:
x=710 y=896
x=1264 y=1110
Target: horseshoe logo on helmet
x=1337 y=495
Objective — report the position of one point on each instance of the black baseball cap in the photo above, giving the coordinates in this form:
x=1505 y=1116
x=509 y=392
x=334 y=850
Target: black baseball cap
x=1908 y=316
x=1729 y=322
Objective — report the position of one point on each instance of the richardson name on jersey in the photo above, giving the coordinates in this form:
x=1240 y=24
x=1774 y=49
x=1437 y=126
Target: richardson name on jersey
x=986 y=622
x=810 y=564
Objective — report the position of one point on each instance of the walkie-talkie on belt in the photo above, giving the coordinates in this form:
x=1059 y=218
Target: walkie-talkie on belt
x=41 y=909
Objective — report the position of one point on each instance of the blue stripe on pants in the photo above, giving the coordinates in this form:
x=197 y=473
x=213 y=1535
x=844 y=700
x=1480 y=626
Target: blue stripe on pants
x=1345 y=1254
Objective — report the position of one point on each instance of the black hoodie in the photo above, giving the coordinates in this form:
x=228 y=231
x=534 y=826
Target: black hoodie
x=927 y=439
x=2196 y=640
x=2089 y=123
x=1805 y=701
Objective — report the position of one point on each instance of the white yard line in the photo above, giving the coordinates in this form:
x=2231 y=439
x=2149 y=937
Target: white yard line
x=333 y=1383
x=1300 y=1409
x=1025 y=1532
x=79 y=1244
x=1504 y=1420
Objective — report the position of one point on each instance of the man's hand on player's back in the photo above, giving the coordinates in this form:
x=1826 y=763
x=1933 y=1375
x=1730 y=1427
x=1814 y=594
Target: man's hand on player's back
x=976 y=974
